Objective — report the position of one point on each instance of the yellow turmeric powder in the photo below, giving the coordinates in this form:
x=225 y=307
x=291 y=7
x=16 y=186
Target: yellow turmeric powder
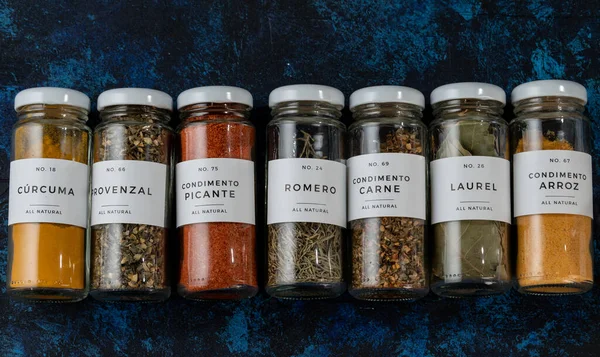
x=48 y=255
x=553 y=253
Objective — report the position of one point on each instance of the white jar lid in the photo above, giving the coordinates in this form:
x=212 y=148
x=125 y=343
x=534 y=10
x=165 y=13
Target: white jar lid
x=549 y=88
x=214 y=94
x=468 y=90
x=387 y=94
x=312 y=92
x=52 y=95
x=135 y=96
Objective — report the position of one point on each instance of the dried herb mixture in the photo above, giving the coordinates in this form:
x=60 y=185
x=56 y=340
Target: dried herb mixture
x=131 y=256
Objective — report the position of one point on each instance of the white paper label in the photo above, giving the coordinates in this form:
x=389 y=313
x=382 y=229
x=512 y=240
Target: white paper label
x=553 y=181
x=126 y=191
x=470 y=188
x=48 y=191
x=306 y=190
x=386 y=185
x=215 y=190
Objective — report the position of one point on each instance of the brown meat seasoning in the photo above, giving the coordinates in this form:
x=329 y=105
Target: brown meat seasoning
x=388 y=252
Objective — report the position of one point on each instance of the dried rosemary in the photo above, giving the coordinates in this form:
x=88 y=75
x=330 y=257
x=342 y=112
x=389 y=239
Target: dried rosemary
x=388 y=252
x=305 y=252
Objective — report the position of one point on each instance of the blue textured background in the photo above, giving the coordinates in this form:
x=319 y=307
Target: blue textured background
x=259 y=45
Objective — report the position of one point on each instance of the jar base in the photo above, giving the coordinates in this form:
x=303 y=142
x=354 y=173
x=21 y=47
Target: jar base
x=307 y=291
x=235 y=292
x=387 y=294
x=470 y=288
x=150 y=295
x=48 y=295
x=566 y=288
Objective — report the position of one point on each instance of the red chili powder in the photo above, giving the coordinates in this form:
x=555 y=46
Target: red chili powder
x=217 y=256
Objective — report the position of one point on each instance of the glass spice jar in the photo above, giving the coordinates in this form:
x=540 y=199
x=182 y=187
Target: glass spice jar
x=470 y=191
x=131 y=190
x=215 y=194
x=387 y=194
x=306 y=192
x=552 y=178
x=49 y=196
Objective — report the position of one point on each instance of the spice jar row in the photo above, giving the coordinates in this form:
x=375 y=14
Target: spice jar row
x=130 y=158
x=372 y=180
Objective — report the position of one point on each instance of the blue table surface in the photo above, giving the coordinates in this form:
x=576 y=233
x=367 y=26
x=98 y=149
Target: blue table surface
x=259 y=45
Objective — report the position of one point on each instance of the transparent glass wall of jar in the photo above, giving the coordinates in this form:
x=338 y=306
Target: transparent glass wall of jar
x=552 y=168
x=49 y=196
x=131 y=195
x=306 y=193
x=215 y=194
x=470 y=191
x=387 y=194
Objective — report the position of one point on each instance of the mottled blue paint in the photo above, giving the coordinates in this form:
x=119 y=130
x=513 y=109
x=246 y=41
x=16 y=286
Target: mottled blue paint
x=467 y=9
x=7 y=25
x=396 y=46
x=581 y=42
x=289 y=71
x=545 y=66
x=236 y=333
x=114 y=323
x=541 y=9
x=174 y=45
x=535 y=339
x=147 y=344
x=316 y=351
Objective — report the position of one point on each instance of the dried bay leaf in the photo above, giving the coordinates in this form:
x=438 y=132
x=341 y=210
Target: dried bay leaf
x=477 y=138
x=480 y=248
x=451 y=145
x=483 y=244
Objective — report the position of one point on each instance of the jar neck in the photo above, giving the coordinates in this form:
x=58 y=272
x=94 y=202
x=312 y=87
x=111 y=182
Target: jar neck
x=52 y=111
x=306 y=109
x=387 y=110
x=214 y=111
x=141 y=113
x=451 y=109
x=549 y=104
